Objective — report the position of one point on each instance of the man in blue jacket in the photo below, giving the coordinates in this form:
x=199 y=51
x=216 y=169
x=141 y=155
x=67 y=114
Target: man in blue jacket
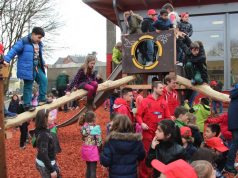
x=30 y=65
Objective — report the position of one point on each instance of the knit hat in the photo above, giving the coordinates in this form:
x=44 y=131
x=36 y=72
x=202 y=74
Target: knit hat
x=185 y=131
x=1 y=49
x=217 y=144
x=176 y=169
x=151 y=12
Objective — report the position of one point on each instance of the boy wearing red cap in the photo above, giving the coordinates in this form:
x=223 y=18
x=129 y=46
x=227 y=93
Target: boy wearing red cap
x=147 y=26
x=176 y=169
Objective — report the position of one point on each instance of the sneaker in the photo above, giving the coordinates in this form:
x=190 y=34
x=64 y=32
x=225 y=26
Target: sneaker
x=179 y=64
x=23 y=147
x=149 y=63
x=230 y=170
x=236 y=164
x=44 y=102
x=29 y=108
x=193 y=82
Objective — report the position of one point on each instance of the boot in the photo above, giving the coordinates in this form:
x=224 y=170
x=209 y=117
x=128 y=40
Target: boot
x=90 y=105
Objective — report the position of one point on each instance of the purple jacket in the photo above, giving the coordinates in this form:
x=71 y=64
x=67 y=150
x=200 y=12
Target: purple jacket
x=81 y=79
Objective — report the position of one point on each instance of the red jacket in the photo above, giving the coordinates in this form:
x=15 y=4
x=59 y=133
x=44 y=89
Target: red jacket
x=222 y=120
x=151 y=112
x=121 y=107
x=172 y=100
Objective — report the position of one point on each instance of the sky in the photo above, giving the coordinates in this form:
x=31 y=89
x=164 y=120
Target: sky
x=84 y=31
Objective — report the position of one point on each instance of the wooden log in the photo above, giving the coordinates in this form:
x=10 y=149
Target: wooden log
x=21 y=118
x=204 y=89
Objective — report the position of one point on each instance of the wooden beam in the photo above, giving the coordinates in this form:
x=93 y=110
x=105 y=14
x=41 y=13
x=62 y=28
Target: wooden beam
x=21 y=118
x=204 y=89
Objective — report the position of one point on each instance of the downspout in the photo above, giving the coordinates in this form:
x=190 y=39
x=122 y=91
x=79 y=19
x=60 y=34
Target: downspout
x=117 y=14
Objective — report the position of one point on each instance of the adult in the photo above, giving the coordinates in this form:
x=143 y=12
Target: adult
x=151 y=111
x=170 y=93
x=139 y=98
x=61 y=85
x=148 y=46
x=30 y=65
x=117 y=54
x=233 y=127
x=133 y=22
x=122 y=105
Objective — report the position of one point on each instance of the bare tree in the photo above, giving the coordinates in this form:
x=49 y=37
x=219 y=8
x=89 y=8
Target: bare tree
x=17 y=17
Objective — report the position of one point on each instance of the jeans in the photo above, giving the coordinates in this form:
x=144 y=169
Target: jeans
x=45 y=173
x=91 y=88
x=193 y=74
x=41 y=80
x=91 y=169
x=214 y=106
x=233 y=150
x=150 y=50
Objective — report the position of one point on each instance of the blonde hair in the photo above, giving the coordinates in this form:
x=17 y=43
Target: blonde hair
x=89 y=58
x=203 y=168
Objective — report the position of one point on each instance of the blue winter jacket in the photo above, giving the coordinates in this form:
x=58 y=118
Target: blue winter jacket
x=233 y=110
x=121 y=154
x=24 y=49
x=162 y=24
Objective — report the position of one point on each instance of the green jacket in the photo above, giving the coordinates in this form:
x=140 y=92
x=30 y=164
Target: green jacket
x=62 y=81
x=116 y=56
x=179 y=123
x=201 y=112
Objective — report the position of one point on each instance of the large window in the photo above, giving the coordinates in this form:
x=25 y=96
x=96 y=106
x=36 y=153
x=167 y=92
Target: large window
x=210 y=30
x=233 y=27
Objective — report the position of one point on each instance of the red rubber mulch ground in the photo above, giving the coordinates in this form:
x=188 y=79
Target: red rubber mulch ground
x=21 y=163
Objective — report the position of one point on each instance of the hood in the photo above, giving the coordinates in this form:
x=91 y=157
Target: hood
x=234 y=93
x=152 y=98
x=118 y=102
x=149 y=19
x=124 y=142
x=193 y=126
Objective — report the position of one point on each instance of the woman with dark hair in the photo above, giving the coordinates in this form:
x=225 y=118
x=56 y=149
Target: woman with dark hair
x=14 y=104
x=44 y=142
x=123 y=149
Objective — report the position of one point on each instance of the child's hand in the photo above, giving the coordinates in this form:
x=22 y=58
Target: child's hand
x=53 y=174
x=144 y=126
x=155 y=142
x=67 y=93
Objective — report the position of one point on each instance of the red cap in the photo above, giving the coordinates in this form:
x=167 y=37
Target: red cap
x=151 y=12
x=183 y=14
x=213 y=83
x=1 y=49
x=185 y=132
x=176 y=169
x=217 y=144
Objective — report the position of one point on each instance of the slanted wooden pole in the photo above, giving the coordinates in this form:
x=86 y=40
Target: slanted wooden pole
x=3 y=167
x=108 y=85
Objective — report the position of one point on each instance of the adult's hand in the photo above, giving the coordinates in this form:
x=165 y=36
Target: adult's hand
x=67 y=93
x=144 y=126
x=5 y=63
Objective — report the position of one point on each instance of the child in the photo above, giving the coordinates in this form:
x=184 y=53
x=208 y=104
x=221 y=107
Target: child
x=201 y=111
x=86 y=79
x=185 y=27
x=223 y=121
x=165 y=145
x=173 y=16
x=216 y=144
x=14 y=104
x=187 y=140
x=123 y=149
x=181 y=115
x=204 y=169
x=198 y=139
x=109 y=125
x=163 y=22
x=218 y=87
x=92 y=142
x=212 y=130
x=133 y=22
x=176 y=169
x=44 y=142
x=196 y=67
x=34 y=101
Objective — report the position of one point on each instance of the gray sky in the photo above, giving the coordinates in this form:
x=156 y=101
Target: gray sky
x=84 y=31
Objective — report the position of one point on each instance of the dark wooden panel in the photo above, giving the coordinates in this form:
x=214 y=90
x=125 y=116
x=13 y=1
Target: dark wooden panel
x=165 y=60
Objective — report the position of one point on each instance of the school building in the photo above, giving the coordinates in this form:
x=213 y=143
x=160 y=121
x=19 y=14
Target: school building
x=215 y=23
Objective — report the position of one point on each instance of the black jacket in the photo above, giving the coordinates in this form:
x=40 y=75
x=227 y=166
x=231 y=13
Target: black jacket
x=185 y=27
x=233 y=110
x=147 y=25
x=190 y=150
x=166 y=152
x=45 y=147
x=121 y=154
x=13 y=106
x=196 y=135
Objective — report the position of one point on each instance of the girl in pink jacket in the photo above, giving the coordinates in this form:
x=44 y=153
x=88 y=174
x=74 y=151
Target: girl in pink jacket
x=92 y=142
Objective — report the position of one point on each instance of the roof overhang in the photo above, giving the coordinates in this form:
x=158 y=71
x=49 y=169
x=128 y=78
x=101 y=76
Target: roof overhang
x=106 y=8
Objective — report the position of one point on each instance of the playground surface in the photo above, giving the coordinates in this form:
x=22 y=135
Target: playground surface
x=21 y=163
